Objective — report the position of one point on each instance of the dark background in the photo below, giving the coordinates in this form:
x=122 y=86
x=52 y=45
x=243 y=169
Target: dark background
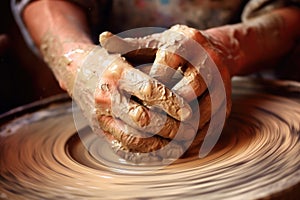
x=24 y=77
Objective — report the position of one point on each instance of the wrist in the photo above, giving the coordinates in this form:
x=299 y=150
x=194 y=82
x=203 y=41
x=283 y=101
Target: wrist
x=227 y=48
x=75 y=54
x=64 y=58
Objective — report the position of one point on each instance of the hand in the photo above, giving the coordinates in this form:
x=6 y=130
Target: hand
x=111 y=80
x=185 y=50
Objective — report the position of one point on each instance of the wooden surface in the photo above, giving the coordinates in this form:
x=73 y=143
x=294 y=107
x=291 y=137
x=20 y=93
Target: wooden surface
x=257 y=156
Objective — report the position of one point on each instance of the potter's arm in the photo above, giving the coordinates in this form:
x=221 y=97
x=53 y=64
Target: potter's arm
x=259 y=42
x=59 y=29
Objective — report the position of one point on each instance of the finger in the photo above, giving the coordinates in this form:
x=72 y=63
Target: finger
x=191 y=85
x=177 y=75
x=173 y=129
x=140 y=85
x=191 y=33
x=148 y=120
x=158 y=123
x=182 y=46
x=131 y=139
x=170 y=56
x=153 y=93
x=165 y=65
x=139 y=48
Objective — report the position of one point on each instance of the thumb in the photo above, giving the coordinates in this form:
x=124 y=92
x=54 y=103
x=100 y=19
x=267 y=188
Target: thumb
x=142 y=48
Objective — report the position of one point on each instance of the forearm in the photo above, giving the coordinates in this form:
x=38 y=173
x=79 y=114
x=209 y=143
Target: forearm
x=260 y=42
x=60 y=30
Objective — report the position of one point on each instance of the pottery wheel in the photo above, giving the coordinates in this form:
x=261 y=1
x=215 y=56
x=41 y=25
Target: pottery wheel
x=257 y=156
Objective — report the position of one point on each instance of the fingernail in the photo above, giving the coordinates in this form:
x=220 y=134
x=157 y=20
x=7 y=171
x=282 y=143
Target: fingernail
x=139 y=116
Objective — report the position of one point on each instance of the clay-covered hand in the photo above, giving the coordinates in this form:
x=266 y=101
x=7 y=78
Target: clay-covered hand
x=132 y=108
x=200 y=60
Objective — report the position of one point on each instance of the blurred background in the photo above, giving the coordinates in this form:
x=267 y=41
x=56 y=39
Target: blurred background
x=24 y=78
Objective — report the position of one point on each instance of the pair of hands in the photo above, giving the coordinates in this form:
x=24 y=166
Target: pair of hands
x=145 y=107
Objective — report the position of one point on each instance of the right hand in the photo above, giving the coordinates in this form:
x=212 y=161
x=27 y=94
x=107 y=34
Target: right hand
x=137 y=123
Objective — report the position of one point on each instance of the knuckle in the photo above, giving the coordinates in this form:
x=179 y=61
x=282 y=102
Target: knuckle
x=139 y=115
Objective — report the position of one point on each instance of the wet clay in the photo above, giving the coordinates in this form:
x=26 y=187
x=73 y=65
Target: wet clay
x=256 y=157
x=51 y=48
